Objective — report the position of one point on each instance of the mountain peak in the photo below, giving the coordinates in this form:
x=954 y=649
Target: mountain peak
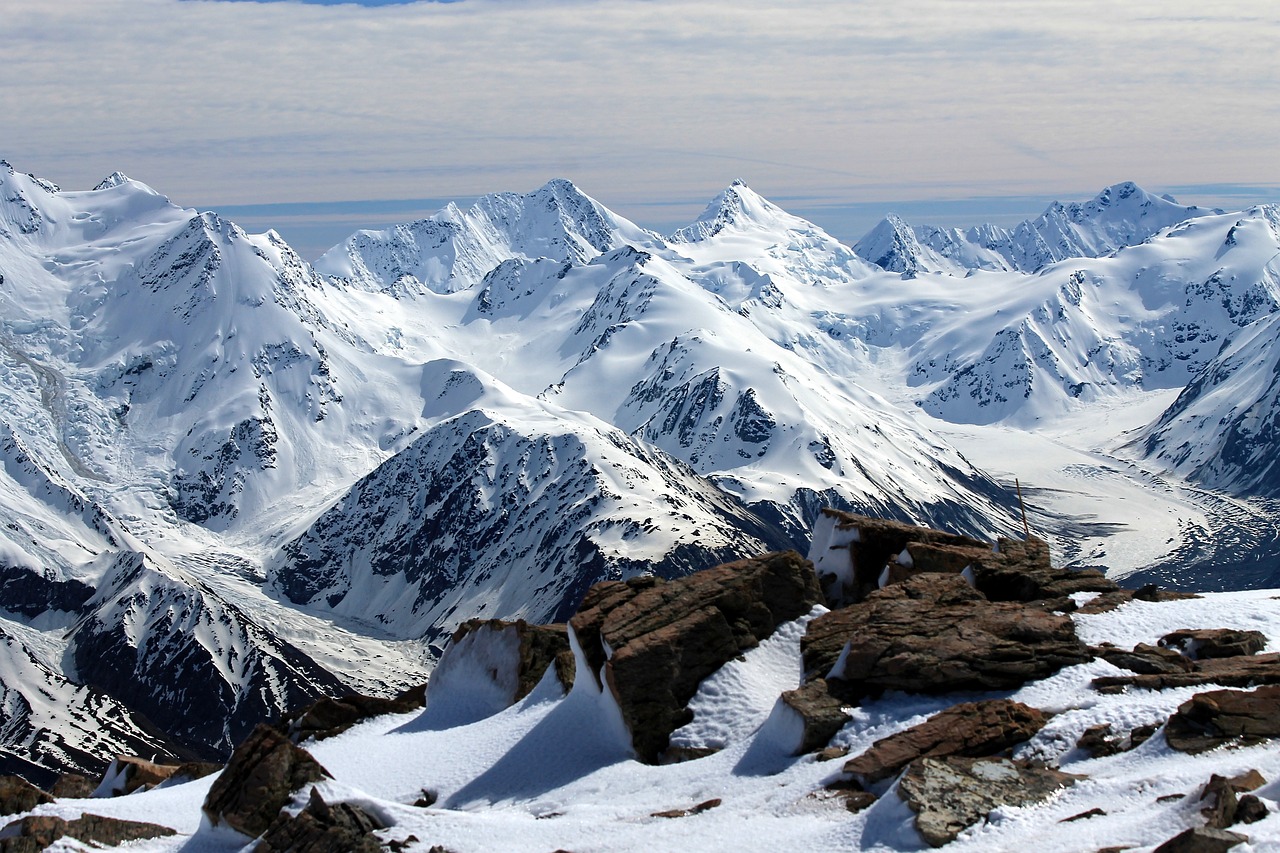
x=737 y=208
x=115 y=179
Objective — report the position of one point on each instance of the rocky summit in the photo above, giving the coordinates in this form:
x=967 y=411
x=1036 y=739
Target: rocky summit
x=974 y=697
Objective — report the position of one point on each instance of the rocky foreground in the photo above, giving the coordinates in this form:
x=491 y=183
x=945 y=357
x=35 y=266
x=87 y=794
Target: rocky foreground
x=899 y=689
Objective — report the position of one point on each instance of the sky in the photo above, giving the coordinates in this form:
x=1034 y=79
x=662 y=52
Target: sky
x=317 y=118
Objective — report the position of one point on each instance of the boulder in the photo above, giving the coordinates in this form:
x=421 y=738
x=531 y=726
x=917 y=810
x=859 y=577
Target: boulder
x=821 y=714
x=322 y=828
x=1214 y=642
x=1228 y=672
x=654 y=640
x=328 y=716
x=128 y=773
x=933 y=633
x=1202 y=839
x=949 y=795
x=37 y=832
x=259 y=781
x=972 y=729
x=1224 y=807
x=17 y=795
x=1219 y=717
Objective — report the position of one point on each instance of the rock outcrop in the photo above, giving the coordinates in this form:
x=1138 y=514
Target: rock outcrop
x=322 y=828
x=1240 y=671
x=17 y=795
x=655 y=640
x=970 y=729
x=949 y=795
x=259 y=781
x=328 y=717
x=1204 y=643
x=35 y=833
x=854 y=555
x=1219 y=717
x=127 y=774
x=934 y=633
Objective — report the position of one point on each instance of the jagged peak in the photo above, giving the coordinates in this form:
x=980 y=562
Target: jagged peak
x=738 y=207
x=113 y=180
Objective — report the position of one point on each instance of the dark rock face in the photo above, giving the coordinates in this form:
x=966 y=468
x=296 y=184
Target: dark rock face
x=1202 y=839
x=1209 y=720
x=17 y=795
x=322 y=828
x=950 y=794
x=666 y=637
x=328 y=717
x=259 y=781
x=1215 y=642
x=933 y=633
x=35 y=833
x=1231 y=672
x=972 y=729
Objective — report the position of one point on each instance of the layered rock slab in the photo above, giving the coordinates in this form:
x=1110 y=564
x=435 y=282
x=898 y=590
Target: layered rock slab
x=1221 y=717
x=970 y=729
x=653 y=641
x=934 y=633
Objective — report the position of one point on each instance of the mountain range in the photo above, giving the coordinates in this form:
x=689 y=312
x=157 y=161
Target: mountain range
x=234 y=480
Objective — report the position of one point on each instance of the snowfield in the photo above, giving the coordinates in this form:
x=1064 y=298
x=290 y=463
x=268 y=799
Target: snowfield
x=555 y=772
x=231 y=480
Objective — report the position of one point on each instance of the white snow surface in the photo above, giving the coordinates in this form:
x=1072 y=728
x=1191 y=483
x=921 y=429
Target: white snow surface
x=553 y=772
x=537 y=394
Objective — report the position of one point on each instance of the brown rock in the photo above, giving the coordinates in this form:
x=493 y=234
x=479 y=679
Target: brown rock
x=1250 y=809
x=1202 y=839
x=823 y=715
x=39 y=831
x=259 y=781
x=933 y=633
x=1084 y=816
x=1215 y=642
x=1102 y=740
x=322 y=828
x=880 y=541
x=128 y=774
x=972 y=729
x=72 y=786
x=1224 y=807
x=1209 y=720
x=1230 y=672
x=666 y=636
x=328 y=717
x=1146 y=659
x=949 y=795
x=17 y=795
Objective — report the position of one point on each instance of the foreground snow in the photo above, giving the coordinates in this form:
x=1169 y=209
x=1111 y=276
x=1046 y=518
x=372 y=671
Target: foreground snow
x=555 y=772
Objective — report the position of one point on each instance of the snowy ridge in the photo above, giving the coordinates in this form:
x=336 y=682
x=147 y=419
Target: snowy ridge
x=1120 y=215
x=539 y=394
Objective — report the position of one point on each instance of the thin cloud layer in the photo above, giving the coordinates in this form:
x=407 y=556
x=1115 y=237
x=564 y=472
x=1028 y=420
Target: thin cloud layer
x=639 y=101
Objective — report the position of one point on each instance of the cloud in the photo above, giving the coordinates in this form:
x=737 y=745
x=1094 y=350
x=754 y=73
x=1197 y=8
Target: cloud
x=638 y=100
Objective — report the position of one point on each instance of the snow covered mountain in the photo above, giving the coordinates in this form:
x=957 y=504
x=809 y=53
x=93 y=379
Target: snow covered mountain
x=222 y=462
x=1121 y=215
